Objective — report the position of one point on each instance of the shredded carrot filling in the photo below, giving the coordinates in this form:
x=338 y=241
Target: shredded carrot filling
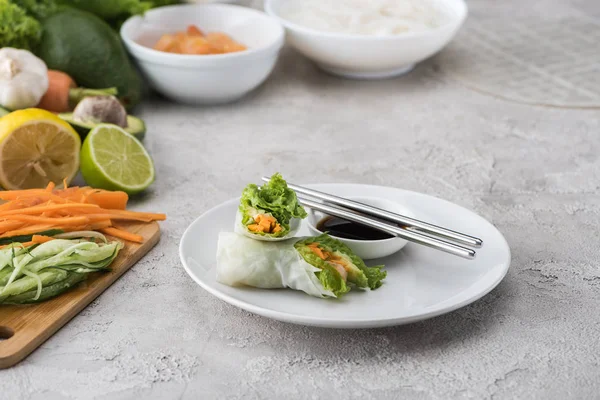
x=265 y=223
x=339 y=263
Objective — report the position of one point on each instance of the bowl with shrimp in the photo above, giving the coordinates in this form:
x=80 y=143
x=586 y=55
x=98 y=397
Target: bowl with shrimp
x=204 y=53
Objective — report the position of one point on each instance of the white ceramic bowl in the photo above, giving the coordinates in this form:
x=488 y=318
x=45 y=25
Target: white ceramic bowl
x=371 y=57
x=366 y=249
x=205 y=79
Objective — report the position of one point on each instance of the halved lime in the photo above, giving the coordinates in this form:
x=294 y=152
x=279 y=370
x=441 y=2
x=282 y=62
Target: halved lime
x=113 y=159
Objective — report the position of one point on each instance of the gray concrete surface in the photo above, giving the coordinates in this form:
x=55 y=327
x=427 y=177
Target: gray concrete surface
x=533 y=171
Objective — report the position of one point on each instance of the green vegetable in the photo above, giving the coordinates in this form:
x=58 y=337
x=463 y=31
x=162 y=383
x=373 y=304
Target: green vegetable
x=358 y=273
x=47 y=292
x=110 y=9
x=38 y=9
x=39 y=272
x=85 y=47
x=274 y=198
x=3 y=112
x=115 y=12
x=17 y=29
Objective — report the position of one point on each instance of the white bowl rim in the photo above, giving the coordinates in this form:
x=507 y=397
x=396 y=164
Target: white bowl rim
x=276 y=45
x=376 y=241
x=355 y=36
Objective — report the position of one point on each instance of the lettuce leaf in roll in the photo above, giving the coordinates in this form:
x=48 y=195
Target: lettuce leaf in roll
x=269 y=211
x=328 y=253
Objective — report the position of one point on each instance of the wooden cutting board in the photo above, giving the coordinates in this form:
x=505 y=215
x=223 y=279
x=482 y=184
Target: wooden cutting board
x=23 y=328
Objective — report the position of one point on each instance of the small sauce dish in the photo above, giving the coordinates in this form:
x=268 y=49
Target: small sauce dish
x=365 y=249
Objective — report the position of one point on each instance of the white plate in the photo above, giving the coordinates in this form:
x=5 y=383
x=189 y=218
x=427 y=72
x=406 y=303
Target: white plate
x=421 y=282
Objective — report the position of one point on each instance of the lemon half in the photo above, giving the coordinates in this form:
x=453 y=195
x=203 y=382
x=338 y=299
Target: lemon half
x=36 y=147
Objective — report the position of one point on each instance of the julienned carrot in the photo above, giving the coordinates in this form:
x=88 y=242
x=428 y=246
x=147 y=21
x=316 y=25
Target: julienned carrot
x=30 y=230
x=121 y=234
x=125 y=213
x=29 y=212
x=14 y=194
x=48 y=207
x=50 y=221
x=41 y=238
x=97 y=217
x=110 y=200
x=63 y=94
x=94 y=226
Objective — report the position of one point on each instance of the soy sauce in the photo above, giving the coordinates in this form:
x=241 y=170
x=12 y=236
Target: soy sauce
x=343 y=228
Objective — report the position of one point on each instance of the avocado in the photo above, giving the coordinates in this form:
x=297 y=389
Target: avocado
x=3 y=112
x=135 y=126
x=85 y=47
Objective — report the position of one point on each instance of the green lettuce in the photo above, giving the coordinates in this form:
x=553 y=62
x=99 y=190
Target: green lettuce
x=359 y=275
x=17 y=29
x=274 y=198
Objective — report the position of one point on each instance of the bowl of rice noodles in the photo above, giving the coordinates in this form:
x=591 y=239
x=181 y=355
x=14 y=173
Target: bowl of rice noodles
x=368 y=39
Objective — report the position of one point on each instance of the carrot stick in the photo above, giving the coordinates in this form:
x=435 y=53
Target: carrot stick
x=105 y=199
x=14 y=194
x=41 y=238
x=96 y=226
x=125 y=213
x=121 y=234
x=10 y=225
x=96 y=217
x=51 y=207
x=50 y=187
x=28 y=231
x=42 y=195
x=51 y=221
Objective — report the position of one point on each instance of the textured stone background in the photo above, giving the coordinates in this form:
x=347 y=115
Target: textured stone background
x=533 y=171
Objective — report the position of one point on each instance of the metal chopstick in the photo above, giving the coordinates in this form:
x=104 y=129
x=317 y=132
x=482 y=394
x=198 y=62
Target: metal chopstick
x=410 y=223
x=404 y=233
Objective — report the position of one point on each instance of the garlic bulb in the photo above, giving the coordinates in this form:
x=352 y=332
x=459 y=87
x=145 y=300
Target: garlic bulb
x=23 y=79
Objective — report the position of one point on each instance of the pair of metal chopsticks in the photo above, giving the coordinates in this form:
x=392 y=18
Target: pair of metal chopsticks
x=411 y=229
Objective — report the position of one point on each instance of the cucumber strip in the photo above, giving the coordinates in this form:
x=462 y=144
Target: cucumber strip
x=48 y=292
x=4 y=275
x=27 y=283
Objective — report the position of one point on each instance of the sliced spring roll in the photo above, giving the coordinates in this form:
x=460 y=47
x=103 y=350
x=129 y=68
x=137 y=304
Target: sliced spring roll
x=319 y=266
x=327 y=253
x=269 y=212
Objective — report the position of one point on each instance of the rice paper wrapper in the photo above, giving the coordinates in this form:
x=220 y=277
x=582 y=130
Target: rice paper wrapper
x=242 y=261
x=241 y=229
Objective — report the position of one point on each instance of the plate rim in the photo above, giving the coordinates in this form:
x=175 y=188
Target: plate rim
x=345 y=323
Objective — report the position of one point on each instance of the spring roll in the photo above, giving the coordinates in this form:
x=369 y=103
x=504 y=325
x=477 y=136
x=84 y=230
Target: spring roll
x=319 y=266
x=269 y=212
